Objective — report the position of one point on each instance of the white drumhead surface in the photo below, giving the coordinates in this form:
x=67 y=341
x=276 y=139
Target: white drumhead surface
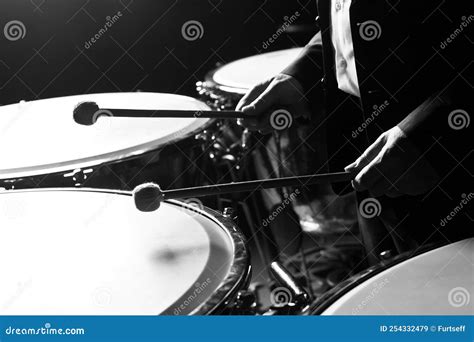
x=439 y=282
x=246 y=72
x=39 y=136
x=93 y=253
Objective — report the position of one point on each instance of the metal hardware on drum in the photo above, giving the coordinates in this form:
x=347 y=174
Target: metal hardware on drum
x=299 y=298
x=148 y=196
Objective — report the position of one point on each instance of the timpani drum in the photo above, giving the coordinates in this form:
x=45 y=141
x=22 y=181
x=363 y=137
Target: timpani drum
x=436 y=282
x=226 y=85
x=91 y=252
x=42 y=146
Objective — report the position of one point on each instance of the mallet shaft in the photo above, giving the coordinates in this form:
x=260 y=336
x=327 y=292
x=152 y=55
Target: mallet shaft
x=218 y=189
x=171 y=113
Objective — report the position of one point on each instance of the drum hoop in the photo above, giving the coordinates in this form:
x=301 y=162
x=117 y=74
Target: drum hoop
x=106 y=158
x=240 y=270
x=217 y=89
x=327 y=299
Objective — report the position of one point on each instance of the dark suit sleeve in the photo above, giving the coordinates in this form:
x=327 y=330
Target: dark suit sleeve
x=308 y=70
x=440 y=127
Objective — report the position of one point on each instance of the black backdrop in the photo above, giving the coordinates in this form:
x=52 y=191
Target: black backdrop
x=143 y=50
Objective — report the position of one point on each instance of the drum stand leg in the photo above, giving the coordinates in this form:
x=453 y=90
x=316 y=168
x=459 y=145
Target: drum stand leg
x=284 y=194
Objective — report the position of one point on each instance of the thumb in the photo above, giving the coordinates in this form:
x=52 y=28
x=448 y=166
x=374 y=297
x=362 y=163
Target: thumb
x=369 y=154
x=263 y=102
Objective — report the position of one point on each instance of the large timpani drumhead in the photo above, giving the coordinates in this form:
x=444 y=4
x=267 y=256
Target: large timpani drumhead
x=84 y=252
x=241 y=75
x=41 y=136
x=438 y=282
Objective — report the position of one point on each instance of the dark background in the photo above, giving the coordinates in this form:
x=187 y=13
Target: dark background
x=144 y=50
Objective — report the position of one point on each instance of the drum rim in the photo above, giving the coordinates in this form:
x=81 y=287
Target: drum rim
x=109 y=157
x=212 y=87
x=320 y=305
x=240 y=269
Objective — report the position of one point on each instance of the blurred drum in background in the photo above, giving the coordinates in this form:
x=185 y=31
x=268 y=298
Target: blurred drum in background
x=42 y=146
x=226 y=85
x=91 y=252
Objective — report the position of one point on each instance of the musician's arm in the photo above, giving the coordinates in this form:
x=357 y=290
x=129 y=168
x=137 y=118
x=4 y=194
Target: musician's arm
x=308 y=70
x=438 y=127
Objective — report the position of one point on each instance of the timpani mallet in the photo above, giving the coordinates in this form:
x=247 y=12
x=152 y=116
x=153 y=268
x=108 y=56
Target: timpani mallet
x=87 y=113
x=148 y=196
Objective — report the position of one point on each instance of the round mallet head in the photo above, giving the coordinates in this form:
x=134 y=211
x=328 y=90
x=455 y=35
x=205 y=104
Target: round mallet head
x=85 y=113
x=148 y=196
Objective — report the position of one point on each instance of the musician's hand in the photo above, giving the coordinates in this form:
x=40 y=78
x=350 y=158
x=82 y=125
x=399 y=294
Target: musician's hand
x=279 y=91
x=393 y=166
